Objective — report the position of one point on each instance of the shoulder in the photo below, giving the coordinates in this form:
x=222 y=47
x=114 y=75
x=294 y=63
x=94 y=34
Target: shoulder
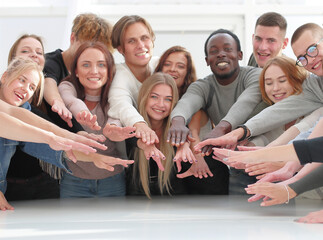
x=123 y=75
x=206 y=81
x=249 y=74
x=51 y=56
x=53 y=62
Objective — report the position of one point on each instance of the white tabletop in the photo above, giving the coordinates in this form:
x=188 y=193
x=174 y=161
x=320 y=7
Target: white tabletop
x=181 y=217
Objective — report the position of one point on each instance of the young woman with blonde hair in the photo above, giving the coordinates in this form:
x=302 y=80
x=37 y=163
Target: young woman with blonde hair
x=157 y=97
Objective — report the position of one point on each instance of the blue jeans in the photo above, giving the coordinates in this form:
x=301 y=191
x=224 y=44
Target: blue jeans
x=74 y=187
x=38 y=150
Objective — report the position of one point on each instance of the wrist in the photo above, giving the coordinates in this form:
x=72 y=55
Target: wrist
x=225 y=126
x=292 y=193
x=179 y=120
x=139 y=123
x=244 y=132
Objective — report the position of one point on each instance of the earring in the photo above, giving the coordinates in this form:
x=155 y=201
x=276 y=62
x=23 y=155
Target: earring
x=77 y=75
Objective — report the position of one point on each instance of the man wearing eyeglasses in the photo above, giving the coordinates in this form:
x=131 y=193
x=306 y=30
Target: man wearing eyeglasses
x=307 y=46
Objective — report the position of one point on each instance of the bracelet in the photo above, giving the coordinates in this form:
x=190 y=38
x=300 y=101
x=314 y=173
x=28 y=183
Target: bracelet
x=245 y=132
x=287 y=194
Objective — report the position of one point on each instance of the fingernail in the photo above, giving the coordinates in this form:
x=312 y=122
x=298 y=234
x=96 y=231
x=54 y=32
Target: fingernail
x=225 y=159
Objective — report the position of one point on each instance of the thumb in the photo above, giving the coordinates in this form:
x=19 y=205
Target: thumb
x=184 y=175
x=71 y=156
x=178 y=165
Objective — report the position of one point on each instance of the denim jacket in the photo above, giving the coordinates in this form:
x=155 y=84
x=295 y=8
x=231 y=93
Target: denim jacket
x=38 y=150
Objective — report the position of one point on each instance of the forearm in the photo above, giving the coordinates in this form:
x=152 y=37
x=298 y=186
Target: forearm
x=280 y=113
x=51 y=91
x=69 y=96
x=13 y=128
x=313 y=179
x=195 y=126
x=287 y=136
x=283 y=153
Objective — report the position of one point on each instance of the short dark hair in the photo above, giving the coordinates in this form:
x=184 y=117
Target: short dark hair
x=272 y=19
x=225 y=32
x=316 y=30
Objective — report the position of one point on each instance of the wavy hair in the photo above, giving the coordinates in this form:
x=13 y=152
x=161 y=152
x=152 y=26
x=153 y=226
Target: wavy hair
x=191 y=72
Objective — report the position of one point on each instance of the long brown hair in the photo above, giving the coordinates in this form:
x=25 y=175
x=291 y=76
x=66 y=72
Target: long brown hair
x=13 y=49
x=110 y=67
x=191 y=72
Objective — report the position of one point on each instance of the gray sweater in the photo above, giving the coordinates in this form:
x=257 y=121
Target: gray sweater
x=290 y=108
x=232 y=103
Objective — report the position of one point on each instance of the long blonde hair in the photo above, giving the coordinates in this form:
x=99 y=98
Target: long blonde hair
x=19 y=66
x=141 y=164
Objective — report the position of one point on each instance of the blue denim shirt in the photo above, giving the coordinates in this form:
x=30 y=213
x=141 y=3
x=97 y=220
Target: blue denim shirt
x=38 y=150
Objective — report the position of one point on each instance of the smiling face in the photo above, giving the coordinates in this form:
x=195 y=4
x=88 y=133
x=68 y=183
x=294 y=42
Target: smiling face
x=223 y=57
x=176 y=66
x=268 y=42
x=300 y=46
x=31 y=48
x=92 y=71
x=19 y=90
x=277 y=86
x=159 y=103
x=138 y=45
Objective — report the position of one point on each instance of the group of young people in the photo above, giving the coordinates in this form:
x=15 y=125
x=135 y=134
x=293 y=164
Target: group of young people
x=154 y=111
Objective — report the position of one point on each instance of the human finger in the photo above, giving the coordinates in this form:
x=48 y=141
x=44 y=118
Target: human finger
x=184 y=175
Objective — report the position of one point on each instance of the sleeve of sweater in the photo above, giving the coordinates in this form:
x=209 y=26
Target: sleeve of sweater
x=247 y=100
x=123 y=98
x=309 y=150
x=192 y=101
x=311 y=181
x=288 y=109
x=309 y=121
x=69 y=96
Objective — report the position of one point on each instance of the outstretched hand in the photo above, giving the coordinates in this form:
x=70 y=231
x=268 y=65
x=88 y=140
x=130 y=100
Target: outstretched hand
x=4 y=205
x=273 y=193
x=118 y=134
x=183 y=154
x=151 y=151
x=86 y=118
x=107 y=162
x=227 y=140
x=59 y=143
x=145 y=133
x=60 y=108
x=178 y=133
x=312 y=217
x=198 y=169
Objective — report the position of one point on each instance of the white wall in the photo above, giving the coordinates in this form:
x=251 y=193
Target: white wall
x=174 y=24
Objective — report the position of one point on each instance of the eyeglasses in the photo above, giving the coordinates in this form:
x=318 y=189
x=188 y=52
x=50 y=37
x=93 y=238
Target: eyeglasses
x=311 y=51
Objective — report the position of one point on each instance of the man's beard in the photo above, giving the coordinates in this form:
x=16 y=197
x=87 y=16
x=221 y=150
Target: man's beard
x=225 y=75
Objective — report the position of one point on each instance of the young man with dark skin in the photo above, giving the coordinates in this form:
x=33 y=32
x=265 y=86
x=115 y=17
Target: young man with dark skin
x=228 y=95
x=307 y=46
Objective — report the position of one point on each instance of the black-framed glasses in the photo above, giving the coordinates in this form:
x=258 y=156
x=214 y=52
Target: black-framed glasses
x=311 y=51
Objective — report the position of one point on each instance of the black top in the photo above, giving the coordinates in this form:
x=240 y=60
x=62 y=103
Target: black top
x=134 y=188
x=55 y=67
x=309 y=150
